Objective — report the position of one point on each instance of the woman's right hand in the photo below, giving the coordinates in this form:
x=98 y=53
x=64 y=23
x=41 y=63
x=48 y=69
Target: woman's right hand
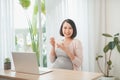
x=52 y=41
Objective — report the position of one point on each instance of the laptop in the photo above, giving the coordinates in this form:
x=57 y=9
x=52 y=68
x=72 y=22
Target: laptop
x=26 y=62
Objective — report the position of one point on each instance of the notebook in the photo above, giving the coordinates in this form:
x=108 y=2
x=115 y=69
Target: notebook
x=26 y=62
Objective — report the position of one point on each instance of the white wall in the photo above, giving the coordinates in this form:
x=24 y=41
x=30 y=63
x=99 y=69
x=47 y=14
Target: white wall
x=113 y=25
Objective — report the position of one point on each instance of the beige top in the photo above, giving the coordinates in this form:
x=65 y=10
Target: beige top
x=75 y=48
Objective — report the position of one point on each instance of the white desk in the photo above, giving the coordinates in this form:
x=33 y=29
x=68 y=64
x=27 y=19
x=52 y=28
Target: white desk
x=57 y=74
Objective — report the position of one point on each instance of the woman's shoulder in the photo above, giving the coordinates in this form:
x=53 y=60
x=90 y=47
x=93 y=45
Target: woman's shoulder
x=76 y=41
x=77 y=44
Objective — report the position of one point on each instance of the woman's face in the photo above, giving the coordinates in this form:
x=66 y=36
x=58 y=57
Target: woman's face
x=67 y=30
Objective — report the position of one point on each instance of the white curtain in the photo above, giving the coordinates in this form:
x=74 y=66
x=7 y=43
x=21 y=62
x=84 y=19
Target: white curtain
x=97 y=26
x=57 y=11
x=6 y=30
x=90 y=19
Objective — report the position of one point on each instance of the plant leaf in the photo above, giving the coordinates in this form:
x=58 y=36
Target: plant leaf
x=106 y=48
x=109 y=62
x=7 y=60
x=116 y=40
x=106 y=35
x=25 y=3
x=99 y=56
x=116 y=34
x=36 y=8
x=43 y=7
x=118 y=48
x=111 y=45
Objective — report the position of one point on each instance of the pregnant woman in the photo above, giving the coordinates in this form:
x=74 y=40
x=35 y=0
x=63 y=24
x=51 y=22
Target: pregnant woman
x=68 y=53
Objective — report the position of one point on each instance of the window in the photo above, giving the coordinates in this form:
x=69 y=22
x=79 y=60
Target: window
x=27 y=27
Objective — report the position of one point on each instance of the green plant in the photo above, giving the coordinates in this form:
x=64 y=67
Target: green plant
x=33 y=29
x=7 y=60
x=108 y=48
x=7 y=63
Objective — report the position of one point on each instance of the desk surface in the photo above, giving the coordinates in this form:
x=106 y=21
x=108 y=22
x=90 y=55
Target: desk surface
x=56 y=74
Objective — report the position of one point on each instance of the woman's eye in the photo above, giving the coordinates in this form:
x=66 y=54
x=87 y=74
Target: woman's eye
x=65 y=28
x=70 y=28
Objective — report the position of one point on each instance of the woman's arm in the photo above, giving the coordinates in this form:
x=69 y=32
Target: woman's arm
x=78 y=53
x=52 y=53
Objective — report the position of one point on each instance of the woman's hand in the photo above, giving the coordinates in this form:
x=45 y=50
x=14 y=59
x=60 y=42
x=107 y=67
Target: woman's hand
x=61 y=46
x=52 y=41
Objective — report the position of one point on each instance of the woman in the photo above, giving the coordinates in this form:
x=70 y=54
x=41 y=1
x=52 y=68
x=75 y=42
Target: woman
x=68 y=53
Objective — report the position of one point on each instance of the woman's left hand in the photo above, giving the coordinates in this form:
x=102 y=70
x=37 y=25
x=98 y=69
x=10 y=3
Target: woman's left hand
x=61 y=46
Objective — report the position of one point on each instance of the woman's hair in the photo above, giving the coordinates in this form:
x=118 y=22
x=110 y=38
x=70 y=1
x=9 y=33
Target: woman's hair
x=71 y=22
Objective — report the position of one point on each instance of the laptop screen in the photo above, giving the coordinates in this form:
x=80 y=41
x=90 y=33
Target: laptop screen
x=25 y=62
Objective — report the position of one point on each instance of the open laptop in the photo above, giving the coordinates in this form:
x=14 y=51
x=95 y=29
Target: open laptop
x=26 y=62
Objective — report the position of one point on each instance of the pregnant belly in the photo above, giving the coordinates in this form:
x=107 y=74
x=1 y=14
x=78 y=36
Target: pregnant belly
x=63 y=63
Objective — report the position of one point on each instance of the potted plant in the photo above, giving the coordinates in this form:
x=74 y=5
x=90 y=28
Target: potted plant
x=7 y=64
x=113 y=43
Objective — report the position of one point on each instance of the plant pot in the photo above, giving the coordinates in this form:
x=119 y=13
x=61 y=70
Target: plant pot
x=7 y=65
x=107 y=78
